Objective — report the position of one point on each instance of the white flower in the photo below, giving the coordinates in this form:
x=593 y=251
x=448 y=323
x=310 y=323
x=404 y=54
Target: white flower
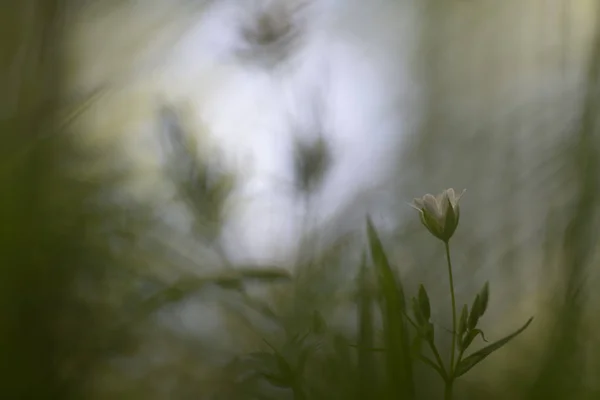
x=440 y=214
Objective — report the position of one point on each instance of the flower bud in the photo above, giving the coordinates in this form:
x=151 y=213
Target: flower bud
x=424 y=303
x=440 y=214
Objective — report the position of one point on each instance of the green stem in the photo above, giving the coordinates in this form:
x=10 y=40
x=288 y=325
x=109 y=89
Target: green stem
x=434 y=349
x=448 y=394
x=436 y=354
x=448 y=390
x=297 y=391
x=460 y=356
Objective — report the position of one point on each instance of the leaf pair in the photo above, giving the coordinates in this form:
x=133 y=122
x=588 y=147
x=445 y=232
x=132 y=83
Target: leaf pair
x=466 y=364
x=284 y=368
x=467 y=332
x=233 y=280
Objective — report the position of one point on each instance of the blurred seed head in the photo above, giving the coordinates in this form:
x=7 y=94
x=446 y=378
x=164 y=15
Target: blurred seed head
x=201 y=185
x=310 y=164
x=272 y=32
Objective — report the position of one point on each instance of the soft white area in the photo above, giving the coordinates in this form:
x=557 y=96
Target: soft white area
x=351 y=79
x=355 y=67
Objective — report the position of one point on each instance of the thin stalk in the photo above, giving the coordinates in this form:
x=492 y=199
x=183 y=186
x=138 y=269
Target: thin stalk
x=436 y=354
x=297 y=392
x=434 y=350
x=448 y=393
x=448 y=390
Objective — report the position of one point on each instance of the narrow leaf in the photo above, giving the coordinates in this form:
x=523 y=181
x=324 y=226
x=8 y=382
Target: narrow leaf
x=475 y=313
x=277 y=380
x=268 y=274
x=416 y=346
x=465 y=365
x=393 y=307
x=372 y=349
x=319 y=326
x=485 y=297
x=429 y=332
x=424 y=303
x=366 y=335
x=420 y=319
x=433 y=365
x=468 y=339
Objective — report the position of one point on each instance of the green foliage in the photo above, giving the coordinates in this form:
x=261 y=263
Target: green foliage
x=393 y=308
x=394 y=377
x=73 y=308
x=469 y=362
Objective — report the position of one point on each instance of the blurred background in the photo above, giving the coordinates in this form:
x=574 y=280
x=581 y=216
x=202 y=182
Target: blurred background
x=134 y=266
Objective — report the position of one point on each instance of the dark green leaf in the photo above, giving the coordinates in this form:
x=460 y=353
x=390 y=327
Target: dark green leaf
x=302 y=359
x=278 y=380
x=262 y=361
x=393 y=307
x=285 y=372
x=433 y=365
x=417 y=312
x=416 y=346
x=173 y=294
x=319 y=326
x=341 y=347
x=424 y=303
x=465 y=365
x=227 y=282
x=366 y=379
x=269 y=274
x=468 y=339
x=475 y=313
x=429 y=332
x=269 y=366
x=462 y=324
x=485 y=297
x=370 y=349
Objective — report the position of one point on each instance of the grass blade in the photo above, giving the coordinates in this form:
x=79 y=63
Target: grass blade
x=393 y=306
x=365 y=333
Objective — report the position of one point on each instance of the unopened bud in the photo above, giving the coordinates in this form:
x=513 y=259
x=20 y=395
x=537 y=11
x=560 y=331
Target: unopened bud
x=424 y=303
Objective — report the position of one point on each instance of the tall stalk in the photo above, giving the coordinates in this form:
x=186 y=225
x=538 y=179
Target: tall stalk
x=449 y=382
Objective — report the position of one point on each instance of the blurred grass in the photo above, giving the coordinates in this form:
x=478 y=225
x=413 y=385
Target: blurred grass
x=558 y=377
x=50 y=337
x=77 y=324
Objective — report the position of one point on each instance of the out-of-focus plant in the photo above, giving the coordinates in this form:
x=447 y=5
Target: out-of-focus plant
x=54 y=263
x=381 y=363
x=202 y=187
x=311 y=163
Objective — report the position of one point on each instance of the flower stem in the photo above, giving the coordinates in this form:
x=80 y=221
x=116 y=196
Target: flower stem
x=448 y=390
x=448 y=394
x=438 y=358
x=297 y=392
